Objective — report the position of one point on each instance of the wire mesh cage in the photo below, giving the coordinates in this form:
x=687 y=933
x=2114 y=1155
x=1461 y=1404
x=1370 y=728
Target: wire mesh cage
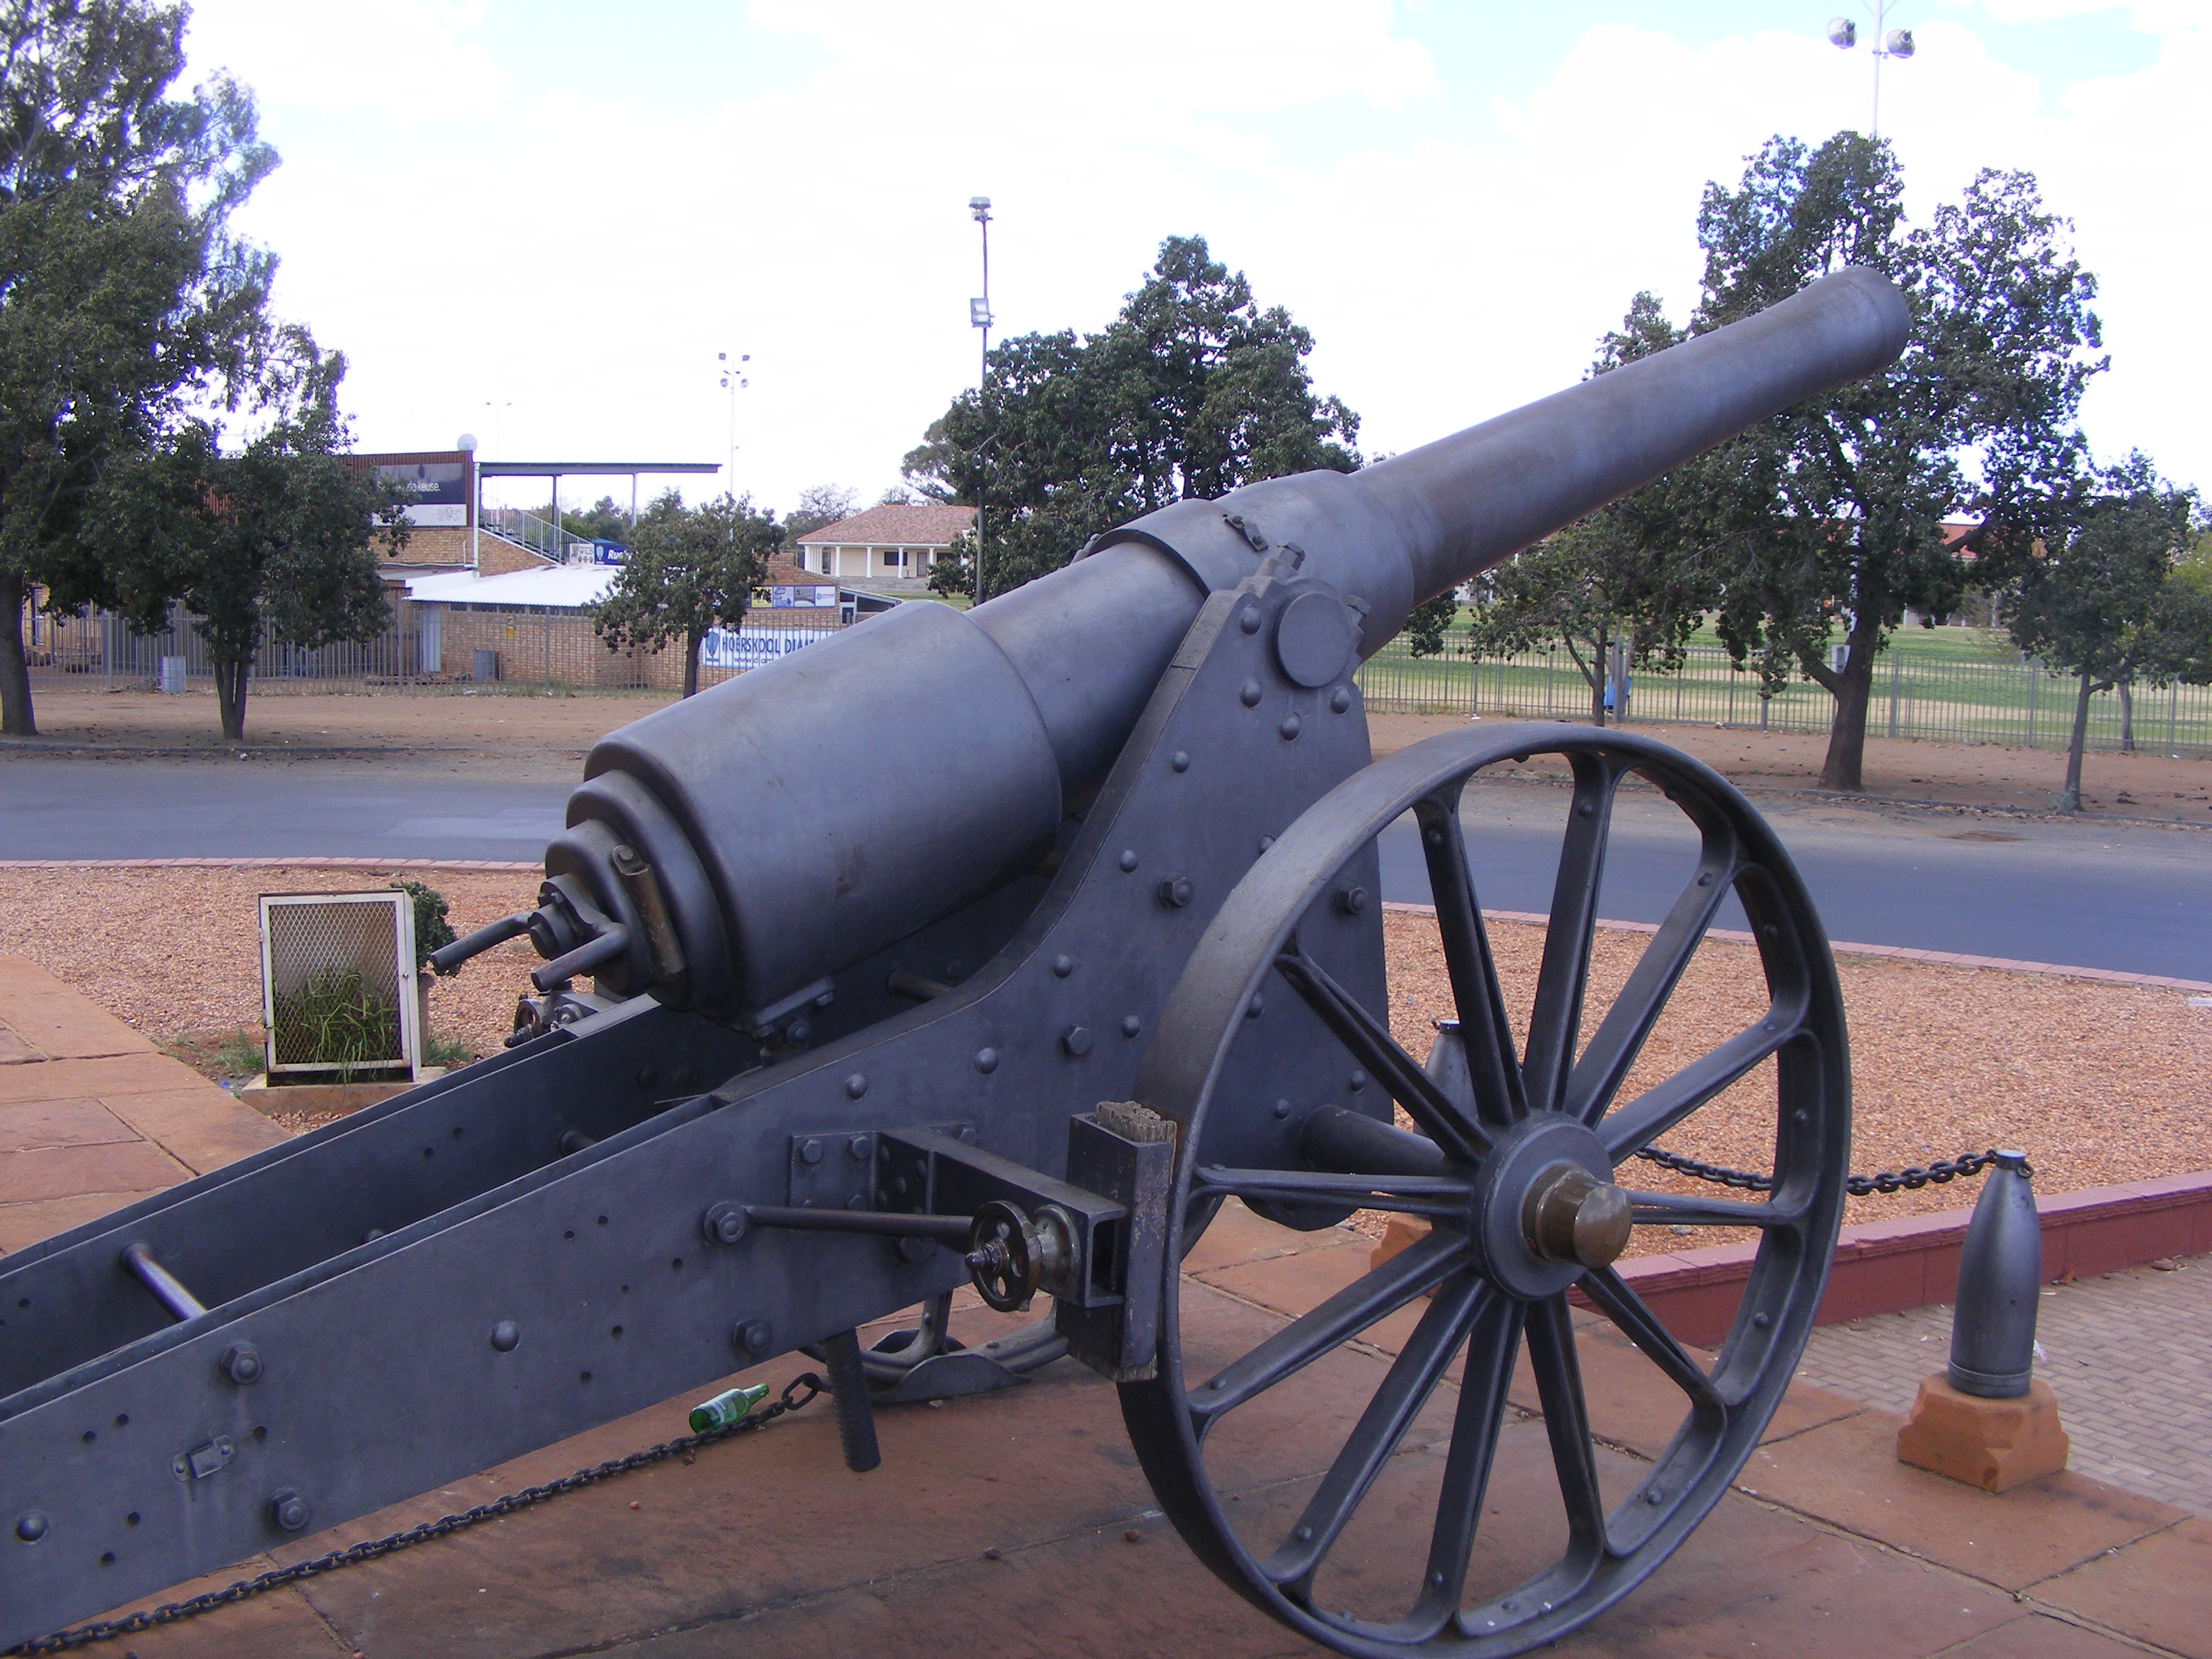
x=337 y=984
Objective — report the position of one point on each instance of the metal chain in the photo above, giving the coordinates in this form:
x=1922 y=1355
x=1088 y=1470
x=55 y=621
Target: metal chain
x=1858 y=1186
x=171 y=1612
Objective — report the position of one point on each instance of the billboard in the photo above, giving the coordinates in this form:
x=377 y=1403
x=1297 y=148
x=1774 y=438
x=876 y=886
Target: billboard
x=439 y=491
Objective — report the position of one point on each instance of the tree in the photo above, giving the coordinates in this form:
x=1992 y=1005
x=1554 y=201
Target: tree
x=604 y=521
x=819 y=505
x=2111 y=604
x=689 y=570
x=124 y=295
x=1191 y=390
x=278 y=534
x=1629 y=582
x=1833 y=511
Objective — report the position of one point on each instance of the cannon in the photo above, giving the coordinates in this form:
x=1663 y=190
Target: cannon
x=1004 y=947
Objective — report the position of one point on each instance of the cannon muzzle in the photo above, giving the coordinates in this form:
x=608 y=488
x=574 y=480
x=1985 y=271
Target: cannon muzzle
x=793 y=821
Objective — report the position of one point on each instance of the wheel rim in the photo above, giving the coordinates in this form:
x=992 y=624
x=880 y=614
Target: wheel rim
x=1536 y=1111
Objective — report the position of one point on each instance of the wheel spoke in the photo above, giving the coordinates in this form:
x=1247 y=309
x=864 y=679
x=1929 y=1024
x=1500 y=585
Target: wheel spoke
x=1691 y=1210
x=1493 y=1344
x=1406 y=1389
x=1484 y=1030
x=1380 y=1293
x=1566 y=1422
x=1373 y=1046
x=1620 y=1037
x=1663 y=1105
x=1436 y=1196
x=1610 y=1294
x=1556 y=1020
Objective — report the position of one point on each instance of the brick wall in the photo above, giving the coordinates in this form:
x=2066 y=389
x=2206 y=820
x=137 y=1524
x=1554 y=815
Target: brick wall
x=430 y=545
x=497 y=557
x=560 y=648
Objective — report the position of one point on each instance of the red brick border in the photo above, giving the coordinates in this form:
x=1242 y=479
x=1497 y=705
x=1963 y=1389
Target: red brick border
x=1888 y=1266
x=1899 y=952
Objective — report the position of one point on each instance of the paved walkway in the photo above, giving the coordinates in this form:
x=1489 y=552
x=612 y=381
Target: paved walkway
x=93 y=1117
x=1017 y=1524
x=2128 y=1354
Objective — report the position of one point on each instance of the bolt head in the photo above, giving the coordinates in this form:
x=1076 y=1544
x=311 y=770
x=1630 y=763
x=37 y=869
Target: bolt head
x=1340 y=700
x=1182 y=761
x=987 y=1061
x=1062 y=966
x=1351 y=900
x=505 y=1335
x=1076 y=1040
x=1129 y=860
x=1289 y=730
x=288 y=1511
x=1248 y=620
x=30 y=1528
x=755 y=1336
x=241 y=1363
x=1131 y=1024
x=724 y=1222
x=856 y=1085
x=859 y=1148
x=1249 y=694
x=810 y=1150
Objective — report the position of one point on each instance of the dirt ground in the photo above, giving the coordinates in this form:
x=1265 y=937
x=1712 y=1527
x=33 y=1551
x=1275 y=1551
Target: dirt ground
x=2098 y=1083
x=522 y=734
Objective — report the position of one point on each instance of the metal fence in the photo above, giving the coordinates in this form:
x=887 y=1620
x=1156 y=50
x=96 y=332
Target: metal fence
x=102 y=647
x=2018 y=703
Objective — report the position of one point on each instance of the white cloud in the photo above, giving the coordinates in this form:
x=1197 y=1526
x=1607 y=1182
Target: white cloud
x=584 y=257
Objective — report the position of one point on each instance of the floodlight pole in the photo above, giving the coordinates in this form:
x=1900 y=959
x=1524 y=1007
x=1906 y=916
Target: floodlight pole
x=1887 y=43
x=979 y=313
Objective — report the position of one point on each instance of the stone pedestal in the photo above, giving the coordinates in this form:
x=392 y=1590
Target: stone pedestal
x=1994 y=1444
x=1402 y=1232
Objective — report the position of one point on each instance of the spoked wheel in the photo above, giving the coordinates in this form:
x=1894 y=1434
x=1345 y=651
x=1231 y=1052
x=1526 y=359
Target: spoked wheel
x=1517 y=1176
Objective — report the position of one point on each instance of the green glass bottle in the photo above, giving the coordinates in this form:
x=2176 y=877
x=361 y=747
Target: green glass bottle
x=725 y=1409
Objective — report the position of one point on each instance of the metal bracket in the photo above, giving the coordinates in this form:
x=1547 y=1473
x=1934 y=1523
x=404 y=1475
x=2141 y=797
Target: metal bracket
x=1126 y=1152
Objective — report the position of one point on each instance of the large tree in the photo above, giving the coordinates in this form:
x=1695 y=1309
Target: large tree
x=689 y=570
x=1629 y=582
x=1839 y=503
x=123 y=294
x=1191 y=390
x=277 y=536
x=2111 y=603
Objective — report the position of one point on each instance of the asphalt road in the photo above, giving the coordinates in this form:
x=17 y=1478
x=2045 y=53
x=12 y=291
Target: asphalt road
x=2089 y=895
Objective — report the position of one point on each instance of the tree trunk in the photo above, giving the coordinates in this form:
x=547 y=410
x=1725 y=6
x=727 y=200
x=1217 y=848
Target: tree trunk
x=2070 y=798
x=2127 y=690
x=230 y=698
x=691 y=644
x=16 y=718
x=1594 y=681
x=1845 y=765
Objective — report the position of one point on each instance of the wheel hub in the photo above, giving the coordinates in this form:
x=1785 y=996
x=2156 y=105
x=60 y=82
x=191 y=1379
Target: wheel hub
x=1545 y=1209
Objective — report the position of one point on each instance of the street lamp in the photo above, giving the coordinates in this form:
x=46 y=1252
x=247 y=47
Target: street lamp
x=1843 y=34
x=979 y=316
x=733 y=382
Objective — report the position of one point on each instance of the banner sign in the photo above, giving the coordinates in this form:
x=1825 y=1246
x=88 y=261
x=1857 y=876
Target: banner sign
x=440 y=489
x=725 y=648
x=803 y=597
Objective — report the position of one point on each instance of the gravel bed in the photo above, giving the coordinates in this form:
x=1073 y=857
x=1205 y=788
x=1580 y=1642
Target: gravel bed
x=2098 y=1083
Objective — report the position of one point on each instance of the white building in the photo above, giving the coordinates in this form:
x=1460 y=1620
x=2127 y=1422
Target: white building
x=884 y=544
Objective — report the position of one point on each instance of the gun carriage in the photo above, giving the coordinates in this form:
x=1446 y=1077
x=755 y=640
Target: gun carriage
x=1004 y=947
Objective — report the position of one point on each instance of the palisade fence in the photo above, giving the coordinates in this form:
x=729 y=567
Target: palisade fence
x=102 y=647
x=2019 y=703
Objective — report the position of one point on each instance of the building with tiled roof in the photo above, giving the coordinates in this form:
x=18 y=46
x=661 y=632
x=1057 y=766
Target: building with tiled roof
x=885 y=544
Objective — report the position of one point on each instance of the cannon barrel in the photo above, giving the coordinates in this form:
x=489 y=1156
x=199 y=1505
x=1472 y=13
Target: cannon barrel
x=808 y=813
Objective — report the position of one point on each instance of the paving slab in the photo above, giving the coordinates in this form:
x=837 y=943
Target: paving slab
x=1003 y=1524
x=91 y=1117
x=1846 y=1474
x=2161 y=1589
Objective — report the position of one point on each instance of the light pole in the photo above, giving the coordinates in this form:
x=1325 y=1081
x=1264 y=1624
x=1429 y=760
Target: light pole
x=733 y=382
x=979 y=316
x=1843 y=34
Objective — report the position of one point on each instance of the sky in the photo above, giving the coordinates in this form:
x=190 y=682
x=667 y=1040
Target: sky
x=540 y=222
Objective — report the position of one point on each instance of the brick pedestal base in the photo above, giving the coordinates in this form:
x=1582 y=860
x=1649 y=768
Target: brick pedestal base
x=1994 y=1444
